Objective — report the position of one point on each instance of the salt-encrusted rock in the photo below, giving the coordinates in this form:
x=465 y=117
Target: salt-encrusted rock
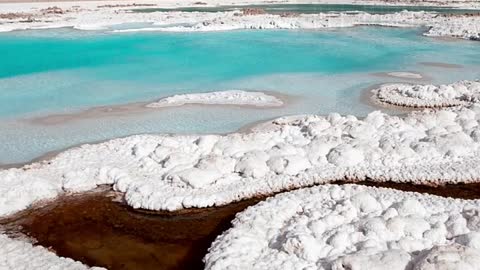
x=429 y=96
x=348 y=227
x=229 y=97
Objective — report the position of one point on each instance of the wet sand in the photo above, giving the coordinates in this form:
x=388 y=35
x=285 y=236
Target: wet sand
x=96 y=229
x=441 y=65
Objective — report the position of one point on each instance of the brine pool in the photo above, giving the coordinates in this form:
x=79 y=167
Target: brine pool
x=59 y=73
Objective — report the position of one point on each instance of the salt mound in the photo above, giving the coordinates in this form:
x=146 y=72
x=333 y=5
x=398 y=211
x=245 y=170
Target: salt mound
x=230 y=97
x=429 y=96
x=351 y=227
x=171 y=172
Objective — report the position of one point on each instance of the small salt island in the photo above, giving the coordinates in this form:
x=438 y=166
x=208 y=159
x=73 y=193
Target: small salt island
x=428 y=96
x=228 y=97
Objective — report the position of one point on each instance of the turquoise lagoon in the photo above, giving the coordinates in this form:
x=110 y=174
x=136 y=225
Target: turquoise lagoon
x=49 y=72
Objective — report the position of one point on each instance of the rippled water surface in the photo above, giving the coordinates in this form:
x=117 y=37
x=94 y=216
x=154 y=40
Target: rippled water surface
x=62 y=71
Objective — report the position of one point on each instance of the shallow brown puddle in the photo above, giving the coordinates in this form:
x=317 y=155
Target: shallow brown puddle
x=96 y=230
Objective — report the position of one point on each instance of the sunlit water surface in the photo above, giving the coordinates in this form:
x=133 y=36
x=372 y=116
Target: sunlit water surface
x=65 y=71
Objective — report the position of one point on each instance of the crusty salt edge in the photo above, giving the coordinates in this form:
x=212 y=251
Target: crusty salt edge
x=428 y=96
x=351 y=227
x=171 y=172
x=228 y=97
x=466 y=27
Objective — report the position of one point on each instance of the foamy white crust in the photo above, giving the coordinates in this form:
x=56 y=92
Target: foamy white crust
x=21 y=255
x=429 y=96
x=229 y=97
x=172 y=172
x=90 y=17
x=351 y=227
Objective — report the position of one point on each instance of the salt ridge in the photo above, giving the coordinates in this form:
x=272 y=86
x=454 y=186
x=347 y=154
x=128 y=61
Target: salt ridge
x=229 y=97
x=428 y=96
x=93 y=18
x=171 y=172
x=351 y=227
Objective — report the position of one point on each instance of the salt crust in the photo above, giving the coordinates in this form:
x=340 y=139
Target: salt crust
x=405 y=75
x=94 y=18
x=229 y=97
x=352 y=227
x=171 y=172
x=429 y=96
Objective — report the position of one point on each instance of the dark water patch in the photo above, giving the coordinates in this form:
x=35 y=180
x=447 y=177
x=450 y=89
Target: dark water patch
x=97 y=229
x=459 y=191
x=314 y=8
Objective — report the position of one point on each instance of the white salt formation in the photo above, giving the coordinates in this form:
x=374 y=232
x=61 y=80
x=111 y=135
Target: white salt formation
x=229 y=97
x=20 y=255
x=405 y=75
x=91 y=17
x=172 y=172
x=351 y=227
x=429 y=96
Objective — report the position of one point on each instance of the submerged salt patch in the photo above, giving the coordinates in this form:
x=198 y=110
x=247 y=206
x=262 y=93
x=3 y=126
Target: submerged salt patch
x=229 y=97
x=171 y=172
x=429 y=96
x=351 y=227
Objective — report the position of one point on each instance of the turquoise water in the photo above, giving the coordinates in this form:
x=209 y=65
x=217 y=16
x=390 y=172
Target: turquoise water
x=314 y=8
x=62 y=71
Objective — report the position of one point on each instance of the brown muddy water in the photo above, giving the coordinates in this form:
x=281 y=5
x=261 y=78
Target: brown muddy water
x=98 y=230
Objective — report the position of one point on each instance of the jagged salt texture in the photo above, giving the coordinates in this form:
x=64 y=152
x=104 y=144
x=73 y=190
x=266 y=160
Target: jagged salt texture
x=21 y=255
x=429 y=96
x=229 y=97
x=172 y=172
x=351 y=227
x=467 y=27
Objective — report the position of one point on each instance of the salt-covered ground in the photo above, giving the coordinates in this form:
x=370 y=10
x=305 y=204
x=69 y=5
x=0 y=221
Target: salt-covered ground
x=428 y=96
x=351 y=227
x=95 y=17
x=229 y=97
x=19 y=255
x=172 y=172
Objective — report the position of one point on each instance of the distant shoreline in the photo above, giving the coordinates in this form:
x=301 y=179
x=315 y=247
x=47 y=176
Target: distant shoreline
x=433 y=3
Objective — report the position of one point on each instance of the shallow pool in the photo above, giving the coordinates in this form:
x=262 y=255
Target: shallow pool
x=62 y=71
